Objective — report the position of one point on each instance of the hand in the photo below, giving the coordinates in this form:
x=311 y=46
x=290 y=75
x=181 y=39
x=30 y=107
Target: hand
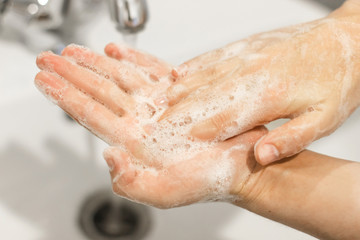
x=215 y=173
x=308 y=73
x=151 y=163
x=97 y=90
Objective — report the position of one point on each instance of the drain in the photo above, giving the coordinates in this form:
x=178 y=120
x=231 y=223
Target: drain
x=104 y=216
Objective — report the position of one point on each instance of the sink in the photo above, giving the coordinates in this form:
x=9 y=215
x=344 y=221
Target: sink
x=49 y=165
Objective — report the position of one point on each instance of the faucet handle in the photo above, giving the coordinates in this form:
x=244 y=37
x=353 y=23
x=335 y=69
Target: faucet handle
x=129 y=16
x=51 y=13
x=48 y=14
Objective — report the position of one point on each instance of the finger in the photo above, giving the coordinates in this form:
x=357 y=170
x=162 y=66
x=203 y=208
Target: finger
x=88 y=112
x=103 y=90
x=236 y=119
x=126 y=75
x=229 y=51
x=162 y=189
x=223 y=111
x=219 y=126
x=292 y=137
x=198 y=62
x=193 y=81
x=156 y=67
x=114 y=169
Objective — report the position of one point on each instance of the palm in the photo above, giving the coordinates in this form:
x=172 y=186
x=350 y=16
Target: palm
x=217 y=173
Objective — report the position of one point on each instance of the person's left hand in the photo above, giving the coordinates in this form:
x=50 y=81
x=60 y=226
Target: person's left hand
x=150 y=163
x=105 y=95
x=217 y=172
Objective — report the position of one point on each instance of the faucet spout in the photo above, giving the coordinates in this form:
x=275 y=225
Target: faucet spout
x=130 y=16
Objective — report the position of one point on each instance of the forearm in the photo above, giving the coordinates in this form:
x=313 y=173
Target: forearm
x=349 y=7
x=316 y=194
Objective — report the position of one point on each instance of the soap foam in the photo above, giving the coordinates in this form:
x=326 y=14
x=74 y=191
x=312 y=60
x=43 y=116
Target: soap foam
x=171 y=139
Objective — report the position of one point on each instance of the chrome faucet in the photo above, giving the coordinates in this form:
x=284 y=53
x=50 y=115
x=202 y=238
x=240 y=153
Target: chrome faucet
x=130 y=16
x=56 y=22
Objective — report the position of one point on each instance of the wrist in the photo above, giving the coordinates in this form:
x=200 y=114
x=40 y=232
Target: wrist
x=311 y=192
x=250 y=190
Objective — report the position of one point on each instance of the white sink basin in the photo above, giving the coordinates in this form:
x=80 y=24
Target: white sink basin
x=48 y=164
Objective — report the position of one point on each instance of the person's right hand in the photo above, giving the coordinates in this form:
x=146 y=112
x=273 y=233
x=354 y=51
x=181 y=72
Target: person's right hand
x=308 y=73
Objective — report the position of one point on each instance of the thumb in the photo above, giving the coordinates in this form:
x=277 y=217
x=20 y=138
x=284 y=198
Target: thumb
x=292 y=137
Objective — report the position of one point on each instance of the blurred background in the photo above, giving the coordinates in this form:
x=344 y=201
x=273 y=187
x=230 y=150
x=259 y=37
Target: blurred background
x=53 y=181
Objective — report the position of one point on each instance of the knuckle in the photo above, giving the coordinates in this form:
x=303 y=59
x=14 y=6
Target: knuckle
x=213 y=71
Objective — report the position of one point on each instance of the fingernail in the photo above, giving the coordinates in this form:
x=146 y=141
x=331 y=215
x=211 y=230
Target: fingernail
x=110 y=163
x=42 y=60
x=175 y=73
x=268 y=153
